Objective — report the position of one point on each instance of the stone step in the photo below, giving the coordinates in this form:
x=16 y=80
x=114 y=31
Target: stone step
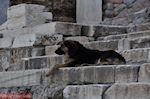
x=27 y=40
x=106 y=91
x=99 y=45
x=94 y=91
x=73 y=75
x=139 y=55
x=129 y=35
x=65 y=28
x=119 y=45
x=128 y=91
x=39 y=62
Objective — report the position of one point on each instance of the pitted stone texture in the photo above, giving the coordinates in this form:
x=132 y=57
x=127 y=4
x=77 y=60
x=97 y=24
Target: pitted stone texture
x=89 y=12
x=102 y=45
x=144 y=73
x=50 y=50
x=41 y=62
x=126 y=74
x=36 y=40
x=139 y=55
x=128 y=91
x=84 y=91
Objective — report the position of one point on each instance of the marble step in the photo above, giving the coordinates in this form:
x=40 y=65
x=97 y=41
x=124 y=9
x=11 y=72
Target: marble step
x=74 y=75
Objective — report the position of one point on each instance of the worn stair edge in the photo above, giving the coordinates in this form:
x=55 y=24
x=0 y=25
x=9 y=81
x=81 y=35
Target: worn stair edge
x=90 y=74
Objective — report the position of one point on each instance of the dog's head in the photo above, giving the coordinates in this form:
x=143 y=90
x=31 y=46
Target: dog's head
x=69 y=46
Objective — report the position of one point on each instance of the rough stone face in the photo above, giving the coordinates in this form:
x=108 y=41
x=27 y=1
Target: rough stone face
x=81 y=39
x=109 y=30
x=89 y=12
x=143 y=42
x=115 y=1
x=128 y=91
x=126 y=74
x=48 y=91
x=102 y=45
x=137 y=55
x=6 y=42
x=36 y=40
x=144 y=73
x=41 y=62
x=92 y=74
x=84 y=91
x=20 y=78
x=27 y=15
x=124 y=44
x=4 y=59
x=50 y=50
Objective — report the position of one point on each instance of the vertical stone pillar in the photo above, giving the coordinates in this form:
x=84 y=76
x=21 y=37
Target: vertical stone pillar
x=89 y=11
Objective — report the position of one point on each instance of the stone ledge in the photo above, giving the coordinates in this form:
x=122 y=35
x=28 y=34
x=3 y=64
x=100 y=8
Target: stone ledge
x=85 y=91
x=140 y=55
x=128 y=91
x=91 y=74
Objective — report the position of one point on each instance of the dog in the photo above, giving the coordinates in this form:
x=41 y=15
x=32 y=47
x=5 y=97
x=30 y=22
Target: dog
x=76 y=55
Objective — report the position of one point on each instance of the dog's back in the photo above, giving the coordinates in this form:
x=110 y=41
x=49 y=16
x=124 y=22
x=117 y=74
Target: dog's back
x=112 y=57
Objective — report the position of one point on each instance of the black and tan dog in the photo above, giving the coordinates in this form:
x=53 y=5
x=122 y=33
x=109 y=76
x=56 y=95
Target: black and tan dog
x=76 y=55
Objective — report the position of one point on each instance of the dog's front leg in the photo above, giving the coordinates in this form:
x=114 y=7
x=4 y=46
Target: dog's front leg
x=55 y=67
x=70 y=64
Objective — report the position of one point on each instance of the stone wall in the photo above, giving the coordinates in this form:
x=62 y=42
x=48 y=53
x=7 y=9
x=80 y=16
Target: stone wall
x=63 y=10
x=126 y=12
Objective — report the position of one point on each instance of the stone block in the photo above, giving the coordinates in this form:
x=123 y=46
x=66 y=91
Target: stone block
x=36 y=40
x=4 y=59
x=139 y=55
x=84 y=91
x=124 y=44
x=81 y=39
x=144 y=73
x=6 y=42
x=20 y=78
x=24 y=15
x=128 y=91
x=105 y=30
x=142 y=42
x=102 y=45
x=115 y=1
x=92 y=74
x=143 y=27
x=38 y=51
x=126 y=74
x=50 y=50
x=23 y=9
x=39 y=62
x=89 y=12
